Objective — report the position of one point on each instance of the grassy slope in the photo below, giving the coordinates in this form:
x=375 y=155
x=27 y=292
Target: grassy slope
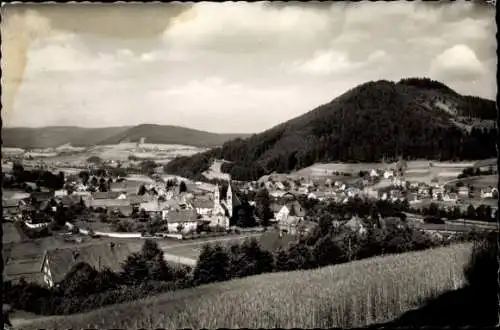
x=354 y=294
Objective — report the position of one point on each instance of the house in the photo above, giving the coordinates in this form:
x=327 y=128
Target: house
x=69 y=200
x=203 y=206
x=370 y=193
x=291 y=209
x=412 y=198
x=280 y=186
x=56 y=263
x=182 y=220
x=303 y=190
x=373 y=173
x=355 y=224
x=60 y=193
x=437 y=193
x=319 y=195
x=276 y=193
x=388 y=174
x=464 y=191
x=489 y=192
x=450 y=197
x=106 y=203
x=122 y=196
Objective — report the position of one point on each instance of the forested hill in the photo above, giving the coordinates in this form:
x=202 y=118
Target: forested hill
x=413 y=118
x=52 y=137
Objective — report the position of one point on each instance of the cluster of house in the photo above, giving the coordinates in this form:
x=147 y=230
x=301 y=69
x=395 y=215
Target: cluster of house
x=180 y=210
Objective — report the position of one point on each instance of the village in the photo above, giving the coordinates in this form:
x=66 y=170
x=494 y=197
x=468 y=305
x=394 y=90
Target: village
x=97 y=205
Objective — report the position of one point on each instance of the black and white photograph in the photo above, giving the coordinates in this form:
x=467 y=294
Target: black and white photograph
x=270 y=164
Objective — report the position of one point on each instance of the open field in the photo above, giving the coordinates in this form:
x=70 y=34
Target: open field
x=349 y=295
x=192 y=249
x=214 y=172
x=479 y=182
x=10 y=233
x=417 y=170
x=329 y=168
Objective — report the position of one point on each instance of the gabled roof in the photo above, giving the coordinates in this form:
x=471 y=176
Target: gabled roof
x=296 y=209
x=110 y=255
x=107 y=202
x=203 y=203
x=275 y=207
x=181 y=216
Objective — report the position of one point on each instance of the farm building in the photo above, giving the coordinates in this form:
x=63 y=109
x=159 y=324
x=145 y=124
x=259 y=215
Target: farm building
x=489 y=192
x=464 y=191
x=56 y=263
x=292 y=209
x=203 y=206
x=185 y=220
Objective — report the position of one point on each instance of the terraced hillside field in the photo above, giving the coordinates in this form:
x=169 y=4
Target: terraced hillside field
x=348 y=295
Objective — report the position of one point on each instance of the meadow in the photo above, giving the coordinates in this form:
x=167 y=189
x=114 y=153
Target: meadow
x=479 y=182
x=416 y=170
x=354 y=294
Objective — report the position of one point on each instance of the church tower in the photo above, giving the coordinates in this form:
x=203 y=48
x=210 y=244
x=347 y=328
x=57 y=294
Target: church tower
x=216 y=195
x=229 y=199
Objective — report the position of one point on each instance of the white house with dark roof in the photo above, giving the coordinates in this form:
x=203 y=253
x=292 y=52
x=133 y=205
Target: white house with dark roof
x=185 y=220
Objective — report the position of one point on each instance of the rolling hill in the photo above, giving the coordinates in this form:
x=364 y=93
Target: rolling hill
x=415 y=118
x=51 y=137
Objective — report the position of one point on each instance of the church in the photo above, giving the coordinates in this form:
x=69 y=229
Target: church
x=223 y=208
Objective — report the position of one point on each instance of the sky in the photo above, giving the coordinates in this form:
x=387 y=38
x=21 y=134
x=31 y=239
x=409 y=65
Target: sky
x=231 y=67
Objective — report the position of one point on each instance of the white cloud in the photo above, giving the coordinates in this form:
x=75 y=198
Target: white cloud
x=457 y=62
x=263 y=62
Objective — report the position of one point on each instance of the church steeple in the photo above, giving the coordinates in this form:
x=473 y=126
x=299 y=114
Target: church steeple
x=229 y=199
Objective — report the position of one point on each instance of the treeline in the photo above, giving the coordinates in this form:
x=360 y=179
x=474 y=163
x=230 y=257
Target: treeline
x=41 y=178
x=479 y=213
x=374 y=121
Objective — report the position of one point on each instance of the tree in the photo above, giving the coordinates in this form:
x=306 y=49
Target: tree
x=142 y=190
x=471 y=212
x=94 y=160
x=326 y=252
x=80 y=280
x=182 y=187
x=94 y=181
x=249 y=259
x=213 y=265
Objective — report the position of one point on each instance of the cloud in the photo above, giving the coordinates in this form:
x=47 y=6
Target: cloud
x=457 y=62
x=332 y=62
x=257 y=63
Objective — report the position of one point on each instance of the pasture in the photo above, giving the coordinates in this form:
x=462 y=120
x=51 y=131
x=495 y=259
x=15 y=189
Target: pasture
x=416 y=170
x=354 y=294
x=479 y=182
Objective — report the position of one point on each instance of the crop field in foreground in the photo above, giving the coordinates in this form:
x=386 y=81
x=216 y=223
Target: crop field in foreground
x=348 y=295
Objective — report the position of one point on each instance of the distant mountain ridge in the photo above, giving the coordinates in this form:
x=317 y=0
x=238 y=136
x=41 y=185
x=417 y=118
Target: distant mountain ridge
x=55 y=136
x=412 y=118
